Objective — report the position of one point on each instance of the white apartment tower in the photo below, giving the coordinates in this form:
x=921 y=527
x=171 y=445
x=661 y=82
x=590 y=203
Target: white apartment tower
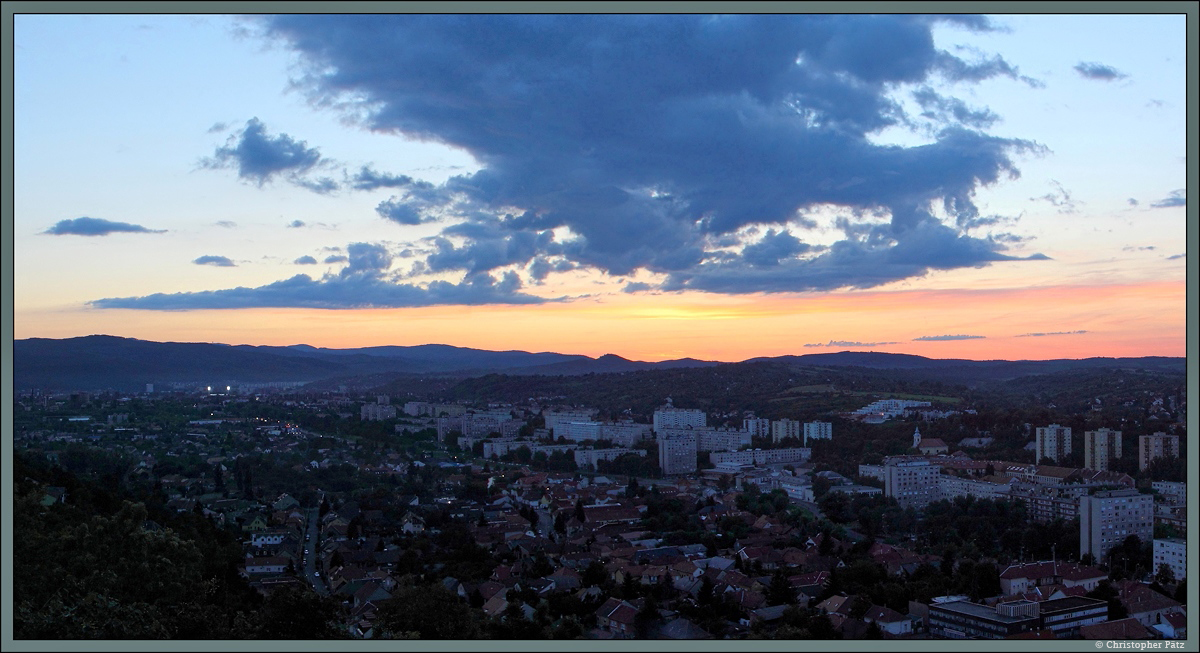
x=912 y=482
x=786 y=428
x=1053 y=442
x=677 y=454
x=670 y=417
x=759 y=427
x=1159 y=445
x=1107 y=518
x=1100 y=448
x=817 y=431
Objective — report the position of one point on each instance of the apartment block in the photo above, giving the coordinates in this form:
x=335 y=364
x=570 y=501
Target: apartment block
x=817 y=431
x=762 y=456
x=1159 y=445
x=1053 y=442
x=1100 y=448
x=1107 y=518
x=1171 y=552
x=677 y=454
x=670 y=417
x=911 y=482
x=786 y=428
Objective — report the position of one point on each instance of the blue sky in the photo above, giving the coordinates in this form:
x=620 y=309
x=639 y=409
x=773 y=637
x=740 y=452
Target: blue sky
x=178 y=172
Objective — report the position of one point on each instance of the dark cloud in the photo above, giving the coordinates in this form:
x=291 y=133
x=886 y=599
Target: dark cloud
x=363 y=283
x=652 y=137
x=772 y=248
x=945 y=110
x=86 y=226
x=305 y=260
x=218 y=261
x=295 y=224
x=1051 y=333
x=846 y=343
x=869 y=257
x=336 y=258
x=367 y=179
x=636 y=286
x=958 y=337
x=1132 y=202
x=1177 y=198
x=259 y=158
x=1176 y=257
x=1093 y=70
x=398 y=211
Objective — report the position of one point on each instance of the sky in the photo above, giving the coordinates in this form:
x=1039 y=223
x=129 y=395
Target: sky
x=656 y=186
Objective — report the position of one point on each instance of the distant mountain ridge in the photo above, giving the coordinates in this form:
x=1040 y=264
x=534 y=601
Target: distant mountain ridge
x=102 y=361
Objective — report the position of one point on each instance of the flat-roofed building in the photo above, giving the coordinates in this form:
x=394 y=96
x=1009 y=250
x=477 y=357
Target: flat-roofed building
x=1100 y=448
x=913 y=483
x=1159 y=445
x=1107 y=518
x=761 y=456
x=786 y=428
x=677 y=454
x=1172 y=552
x=817 y=431
x=1053 y=442
x=1173 y=492
x=670 y=417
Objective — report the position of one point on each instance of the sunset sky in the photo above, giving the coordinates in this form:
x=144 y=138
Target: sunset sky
x=719 y=187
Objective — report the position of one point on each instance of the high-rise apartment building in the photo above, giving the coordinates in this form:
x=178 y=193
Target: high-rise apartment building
x=677 y=454
x=1053 y=442
x=1107 y=518
x=912 y=482
x=1100 y=448
x=817 y=431
x=786 y=428
x=670 y=417
x=759 y=427
x=1159 y=445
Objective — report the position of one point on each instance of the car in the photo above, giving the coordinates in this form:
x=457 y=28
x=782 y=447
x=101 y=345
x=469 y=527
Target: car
x=306 y=552
x=317 y=574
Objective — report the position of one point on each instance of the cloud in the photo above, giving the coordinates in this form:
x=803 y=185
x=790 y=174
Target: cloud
x=368 y=179
x=1177 y=198
x=847 y=343
x=1176 y=257
x=363 y=283
x=939 y=338
x=259 y=158
x=650 y=138
x=295 y=224
x=1051 y=333
x=217 y=261
x=1132 y=202
x=336 y=258
x=1131 y=248
x=944 y=110
x=1093 y=70
x=305 y=260
x=636 y=286
x=228 y=224
x=86 y=226
x=1060 y=197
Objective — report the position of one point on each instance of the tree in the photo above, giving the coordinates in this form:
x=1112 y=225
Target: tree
x=1165 y=575
x=432 y=611
x=780 y=591
x=580 y=514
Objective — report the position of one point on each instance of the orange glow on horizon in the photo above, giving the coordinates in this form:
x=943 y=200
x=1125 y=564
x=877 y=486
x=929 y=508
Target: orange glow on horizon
x=1143 y=319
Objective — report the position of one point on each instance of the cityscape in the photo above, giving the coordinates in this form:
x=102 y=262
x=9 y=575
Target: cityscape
x=601 y=327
